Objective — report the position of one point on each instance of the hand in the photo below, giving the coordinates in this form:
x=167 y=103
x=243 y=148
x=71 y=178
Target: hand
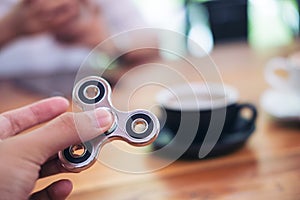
x=88 y=29
x=27 y=157
x=35 y=16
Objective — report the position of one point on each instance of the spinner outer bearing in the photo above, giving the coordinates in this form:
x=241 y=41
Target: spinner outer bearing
x=123 y=128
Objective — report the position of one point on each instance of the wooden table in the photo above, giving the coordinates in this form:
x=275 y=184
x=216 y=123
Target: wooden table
x=267 y=167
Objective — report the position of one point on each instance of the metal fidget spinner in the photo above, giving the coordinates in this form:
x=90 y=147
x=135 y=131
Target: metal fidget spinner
x=138 y=127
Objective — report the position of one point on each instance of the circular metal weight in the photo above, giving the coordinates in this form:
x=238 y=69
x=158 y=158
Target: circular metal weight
x=72 y=158
x=91 y=92
x=139 y=126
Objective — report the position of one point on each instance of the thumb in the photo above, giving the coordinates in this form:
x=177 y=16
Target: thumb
x=65 y=130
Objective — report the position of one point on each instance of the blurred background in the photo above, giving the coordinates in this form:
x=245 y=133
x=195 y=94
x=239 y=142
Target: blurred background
x=44 y=43
x=263 y=24
x=47 y=61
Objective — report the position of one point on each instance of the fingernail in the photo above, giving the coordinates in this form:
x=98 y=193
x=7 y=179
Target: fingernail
x=104 y=118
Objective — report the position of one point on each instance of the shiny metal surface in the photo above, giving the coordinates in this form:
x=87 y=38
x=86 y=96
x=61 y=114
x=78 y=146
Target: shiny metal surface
x=94 y=92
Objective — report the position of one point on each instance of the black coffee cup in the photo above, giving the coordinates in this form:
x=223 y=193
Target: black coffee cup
x=199 y=112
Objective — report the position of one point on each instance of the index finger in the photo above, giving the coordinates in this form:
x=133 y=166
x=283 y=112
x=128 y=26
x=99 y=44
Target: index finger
x=16 y=121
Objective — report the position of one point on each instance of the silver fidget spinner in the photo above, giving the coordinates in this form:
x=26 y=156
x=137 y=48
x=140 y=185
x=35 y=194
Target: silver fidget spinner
x=138 y=127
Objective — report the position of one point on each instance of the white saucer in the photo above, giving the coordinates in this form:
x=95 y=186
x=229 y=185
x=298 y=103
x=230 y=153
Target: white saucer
x=281 y=105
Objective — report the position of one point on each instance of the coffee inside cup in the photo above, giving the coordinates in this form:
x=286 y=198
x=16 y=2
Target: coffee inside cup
x=197 y=96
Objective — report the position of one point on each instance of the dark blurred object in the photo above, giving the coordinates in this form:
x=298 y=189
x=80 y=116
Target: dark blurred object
x=166 y=145
x=298 y=4
x=228 y=19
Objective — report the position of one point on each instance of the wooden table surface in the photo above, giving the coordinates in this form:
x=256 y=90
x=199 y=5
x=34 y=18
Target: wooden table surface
x=267 y=167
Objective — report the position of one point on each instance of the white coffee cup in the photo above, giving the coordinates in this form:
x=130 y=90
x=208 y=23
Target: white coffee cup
x=291 y=67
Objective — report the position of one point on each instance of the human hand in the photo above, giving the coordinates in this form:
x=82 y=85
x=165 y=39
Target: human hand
x=87 y=29
x=35 y=16
x=27 y=157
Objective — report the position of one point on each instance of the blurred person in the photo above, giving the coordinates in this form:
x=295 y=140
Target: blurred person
x=31 y=17
x=44 y=37
x=25 y=158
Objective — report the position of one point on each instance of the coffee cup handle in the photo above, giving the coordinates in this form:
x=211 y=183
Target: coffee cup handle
x=252 y=108
x=271 y=77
